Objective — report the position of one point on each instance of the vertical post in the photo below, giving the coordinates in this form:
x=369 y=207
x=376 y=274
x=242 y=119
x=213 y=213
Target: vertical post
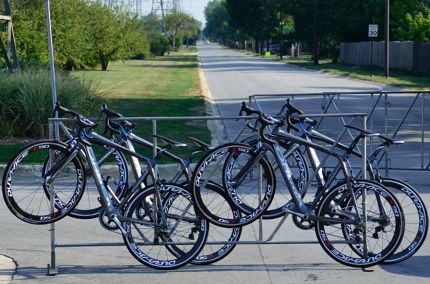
x=340 y=118
x=52 y=267
x=371 y=120
x=387 y=39
x=51 y=63
x=364 y=191
x=12 y=45
x=260 y=193
x=325 y=111
x=386 y=132
x=422 y=129
x=364 y=151
x=154 y=139
x=316 y=34
x=281 y=44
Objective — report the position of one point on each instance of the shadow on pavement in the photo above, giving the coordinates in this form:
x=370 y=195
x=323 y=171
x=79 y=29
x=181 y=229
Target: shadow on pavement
x=31 y=272
x=411 y=267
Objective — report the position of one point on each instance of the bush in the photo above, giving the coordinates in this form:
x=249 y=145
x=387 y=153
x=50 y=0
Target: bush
x=26 y=101
x=159 y=44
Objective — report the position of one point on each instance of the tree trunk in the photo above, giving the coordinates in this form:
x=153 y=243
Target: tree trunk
x=104 y=62
x=316 y=49
x=256 y=46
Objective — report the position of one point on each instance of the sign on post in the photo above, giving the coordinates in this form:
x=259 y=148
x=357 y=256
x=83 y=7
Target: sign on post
x=373 y=30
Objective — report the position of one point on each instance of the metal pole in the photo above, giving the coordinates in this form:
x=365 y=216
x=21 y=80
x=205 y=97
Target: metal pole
x=51 y=54
x=364 y=151
x=52 y=267
x=51 y=64
x=387 y=38
x=260 y=193
x=422 y=129
x=386 y=133
x=371 y=122
x=154 y=139
x=364 y=193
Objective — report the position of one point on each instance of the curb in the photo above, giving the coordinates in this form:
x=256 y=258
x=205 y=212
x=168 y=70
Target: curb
x=218 y=133
x=8 y=269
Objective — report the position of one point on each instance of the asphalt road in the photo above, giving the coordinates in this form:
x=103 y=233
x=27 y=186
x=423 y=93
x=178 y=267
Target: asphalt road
x=29 y=246
x=232 y=77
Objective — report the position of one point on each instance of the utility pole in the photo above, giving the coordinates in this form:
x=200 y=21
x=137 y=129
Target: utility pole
x=281 y=44
x=159 y=6
x=134 y=6
x=316 y=49
x=387 y=39
x=8 y=51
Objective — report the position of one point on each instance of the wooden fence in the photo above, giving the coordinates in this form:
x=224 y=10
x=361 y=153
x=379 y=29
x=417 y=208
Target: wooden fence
x=407 y=55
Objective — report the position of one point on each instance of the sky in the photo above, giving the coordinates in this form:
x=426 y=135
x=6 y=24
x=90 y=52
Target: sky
x=193 y=7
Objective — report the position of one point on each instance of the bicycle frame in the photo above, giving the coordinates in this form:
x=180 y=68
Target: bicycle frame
x=272 y=144
x=78 y=145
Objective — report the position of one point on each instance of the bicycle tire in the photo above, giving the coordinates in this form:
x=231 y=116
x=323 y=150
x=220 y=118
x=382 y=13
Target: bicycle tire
x=416 y=223
x=300 y=172
x=349 y=251
x=115 y=174
x=244 y=196
x=24 y=187
x=212 y=253
x=155 y=249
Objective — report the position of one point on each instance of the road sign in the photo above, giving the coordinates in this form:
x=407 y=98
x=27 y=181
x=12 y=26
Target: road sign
x=373 y=30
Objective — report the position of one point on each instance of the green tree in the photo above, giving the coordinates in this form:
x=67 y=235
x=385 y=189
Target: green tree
x=153 y=27
x=178 y=25
x=217 y=22
x=412 y=20
x=85 y=33
x=416 y=28
x=258 y=19
x=30 y=30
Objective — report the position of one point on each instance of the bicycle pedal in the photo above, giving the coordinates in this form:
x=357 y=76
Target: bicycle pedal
x=191 y=236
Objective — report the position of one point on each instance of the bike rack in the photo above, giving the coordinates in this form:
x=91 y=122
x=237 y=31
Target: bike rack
x=56 y=123
x=331 y=100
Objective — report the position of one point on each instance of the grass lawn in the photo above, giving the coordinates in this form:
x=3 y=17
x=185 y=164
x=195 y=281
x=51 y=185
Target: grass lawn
x=162 y=86
x=398 y=78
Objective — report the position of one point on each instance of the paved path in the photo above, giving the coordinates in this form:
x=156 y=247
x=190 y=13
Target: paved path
x=251 y=264
x=233 y=76
x=29 y=245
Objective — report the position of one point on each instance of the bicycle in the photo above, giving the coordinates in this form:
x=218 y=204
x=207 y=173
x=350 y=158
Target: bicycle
x=343 y=224
x=410 y=201
x=162 y=233
x=124 y=131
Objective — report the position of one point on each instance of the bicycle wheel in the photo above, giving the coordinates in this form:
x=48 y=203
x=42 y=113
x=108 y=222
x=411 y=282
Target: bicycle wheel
x=212 y=253
x=172 y=241
x=26 y=185
x=343 y=238
x=416 y=219
x=299 y=169
x=113 y=168
x=221 y=166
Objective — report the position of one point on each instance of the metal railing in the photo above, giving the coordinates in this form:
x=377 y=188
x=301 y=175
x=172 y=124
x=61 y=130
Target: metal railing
x=54 y=130
x=388 y=112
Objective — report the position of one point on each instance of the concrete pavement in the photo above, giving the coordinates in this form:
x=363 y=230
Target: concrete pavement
x=29 y=245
